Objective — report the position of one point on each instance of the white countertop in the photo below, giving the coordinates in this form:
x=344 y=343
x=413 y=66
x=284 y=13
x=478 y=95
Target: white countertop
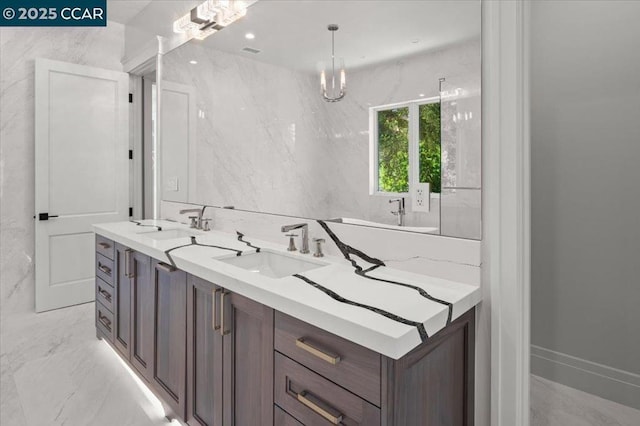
x=384 y=327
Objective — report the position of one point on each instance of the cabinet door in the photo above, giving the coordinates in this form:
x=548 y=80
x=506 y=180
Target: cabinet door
x=248 y=361
x=204 y=354
x=170 y=305
x=141 y=314
x=122 y=301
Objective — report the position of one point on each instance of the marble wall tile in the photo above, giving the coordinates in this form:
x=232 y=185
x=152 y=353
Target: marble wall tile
x=462 y=213
x=99 y=47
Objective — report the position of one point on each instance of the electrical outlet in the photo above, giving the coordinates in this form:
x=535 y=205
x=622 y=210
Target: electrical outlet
x=421 y=197
x=173 y=184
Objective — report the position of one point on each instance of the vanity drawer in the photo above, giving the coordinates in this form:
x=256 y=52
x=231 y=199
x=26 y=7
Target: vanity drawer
x=104 y=321
x=350 y=365
x=104 y=269
x=104 y=294
x=105 y=247
x=314 y=400
x=282 y=418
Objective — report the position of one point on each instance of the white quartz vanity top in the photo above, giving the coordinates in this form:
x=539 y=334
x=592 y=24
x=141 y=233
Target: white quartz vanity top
x=384 y=309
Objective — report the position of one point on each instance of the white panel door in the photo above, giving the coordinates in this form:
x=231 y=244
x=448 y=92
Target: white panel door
x=81 y=177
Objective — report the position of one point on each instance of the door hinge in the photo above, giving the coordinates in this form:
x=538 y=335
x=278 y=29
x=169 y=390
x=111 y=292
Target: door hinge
x=130 y=154
x=130 y=98
x=130 y=211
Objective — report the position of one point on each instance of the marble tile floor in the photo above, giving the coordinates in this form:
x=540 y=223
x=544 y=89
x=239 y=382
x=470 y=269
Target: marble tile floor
x=553 y=404
x=53 y=371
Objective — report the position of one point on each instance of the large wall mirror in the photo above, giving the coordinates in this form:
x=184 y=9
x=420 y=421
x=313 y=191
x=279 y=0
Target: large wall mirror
x=385 y=133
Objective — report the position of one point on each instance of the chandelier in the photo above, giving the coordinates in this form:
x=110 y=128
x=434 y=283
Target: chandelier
x=334 y=94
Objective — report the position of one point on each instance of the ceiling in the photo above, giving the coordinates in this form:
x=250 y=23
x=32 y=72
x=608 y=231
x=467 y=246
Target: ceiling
x=294 y=34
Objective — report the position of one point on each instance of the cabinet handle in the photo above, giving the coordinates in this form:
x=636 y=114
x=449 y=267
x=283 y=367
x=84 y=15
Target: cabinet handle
x=334 y=416
x=222 y=327
x=164 y=267
x=104 y=293
x=104 y=320
x=214 y=295
x=104 y=268
x=104 y=245
x=127 y=263
x=329 y=357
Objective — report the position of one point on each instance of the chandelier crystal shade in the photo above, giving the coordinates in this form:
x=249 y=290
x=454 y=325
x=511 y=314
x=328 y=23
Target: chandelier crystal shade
x=334 y=93
x=210 y=17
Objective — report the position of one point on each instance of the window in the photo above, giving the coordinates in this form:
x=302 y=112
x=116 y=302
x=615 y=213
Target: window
x=405 y=147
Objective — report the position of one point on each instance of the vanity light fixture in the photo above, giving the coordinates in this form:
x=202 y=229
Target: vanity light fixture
x=333 y=97
x=210 y=17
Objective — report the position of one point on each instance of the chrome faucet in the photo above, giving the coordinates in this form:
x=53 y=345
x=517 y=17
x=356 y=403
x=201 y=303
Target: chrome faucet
x=400 y=212
x=196 y=221
x=305 y=234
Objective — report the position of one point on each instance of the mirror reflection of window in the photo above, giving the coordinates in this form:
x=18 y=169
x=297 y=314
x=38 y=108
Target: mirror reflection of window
x=395 y=142
x=393 y=150
x=429 y=145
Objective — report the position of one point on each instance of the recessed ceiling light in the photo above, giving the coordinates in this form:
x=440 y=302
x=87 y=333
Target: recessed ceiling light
x=193 y=62
x=249 y=36
x=421 y=95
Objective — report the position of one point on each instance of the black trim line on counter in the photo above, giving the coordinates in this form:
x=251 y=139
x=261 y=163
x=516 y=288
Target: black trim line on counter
x=195 y=243
x=335 y=296
x=240 y=238
x=159 y=228
x=347 y=251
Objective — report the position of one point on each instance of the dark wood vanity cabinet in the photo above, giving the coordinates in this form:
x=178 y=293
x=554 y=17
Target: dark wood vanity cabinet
x=216 y=358
x=142 y=327
x=169 y=342
x=132 y=308
x=122 y=302
x=204 y=354
x=229 y=358
x=322 y=379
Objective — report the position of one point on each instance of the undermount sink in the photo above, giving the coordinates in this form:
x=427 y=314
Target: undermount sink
x=170 y=234
x=272 y=265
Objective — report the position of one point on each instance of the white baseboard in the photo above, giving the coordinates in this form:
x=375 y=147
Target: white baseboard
x=606 y=382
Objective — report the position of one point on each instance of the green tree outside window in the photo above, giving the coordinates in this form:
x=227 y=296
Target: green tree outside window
x=393 y=148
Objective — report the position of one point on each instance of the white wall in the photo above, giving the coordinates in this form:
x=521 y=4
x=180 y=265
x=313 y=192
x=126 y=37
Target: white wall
x=585 y=289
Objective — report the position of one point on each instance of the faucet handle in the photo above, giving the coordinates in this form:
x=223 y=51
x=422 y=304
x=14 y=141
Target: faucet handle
x=205 y=225
x=194 y=221
x=318 y=252
x=292 y=243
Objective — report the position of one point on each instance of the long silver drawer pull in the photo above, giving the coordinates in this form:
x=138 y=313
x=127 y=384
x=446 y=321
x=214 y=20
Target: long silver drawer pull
x=164 y=267
x=214 y=296
x=104 y=268
x=104 y=245
x=127 y=263
x=104 y=320
x=105 y=294
x=319 y=407
x=223 y=331
x=324 y=355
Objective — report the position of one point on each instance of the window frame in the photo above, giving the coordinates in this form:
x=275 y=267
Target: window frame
x=414 y=145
